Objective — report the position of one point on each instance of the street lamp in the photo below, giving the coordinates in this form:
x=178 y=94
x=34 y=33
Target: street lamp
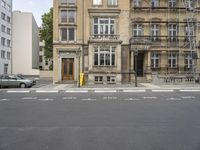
x=135 y=50
x=78 y=55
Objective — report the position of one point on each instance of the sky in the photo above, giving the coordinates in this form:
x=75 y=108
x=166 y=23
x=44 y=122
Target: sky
x=37 y=7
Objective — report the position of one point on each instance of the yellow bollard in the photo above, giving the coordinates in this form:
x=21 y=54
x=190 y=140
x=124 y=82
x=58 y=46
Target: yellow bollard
x=81 y=79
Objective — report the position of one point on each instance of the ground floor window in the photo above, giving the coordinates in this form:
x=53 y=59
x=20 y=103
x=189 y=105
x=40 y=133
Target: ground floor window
x=104 y=56
x=111 y=79
x=5 y=68
x=98 y=79
x=172 y=60
x=155 y=59
x=188 y=61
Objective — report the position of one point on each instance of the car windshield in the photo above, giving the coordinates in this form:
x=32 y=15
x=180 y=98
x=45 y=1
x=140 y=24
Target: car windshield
x=19 y=77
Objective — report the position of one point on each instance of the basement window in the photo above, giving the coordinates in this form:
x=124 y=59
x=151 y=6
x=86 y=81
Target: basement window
x=111 y=79
x=98 y=79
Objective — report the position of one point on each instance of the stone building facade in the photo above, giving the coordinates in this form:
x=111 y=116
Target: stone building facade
x=108 y=39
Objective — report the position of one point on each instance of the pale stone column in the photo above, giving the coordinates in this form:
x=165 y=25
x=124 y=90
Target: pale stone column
x=148 y=71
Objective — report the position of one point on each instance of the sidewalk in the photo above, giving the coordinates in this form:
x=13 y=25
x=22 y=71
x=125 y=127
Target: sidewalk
x=71 y=88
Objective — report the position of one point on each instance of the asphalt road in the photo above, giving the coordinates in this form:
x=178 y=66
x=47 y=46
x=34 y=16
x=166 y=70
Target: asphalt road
x=100 y=121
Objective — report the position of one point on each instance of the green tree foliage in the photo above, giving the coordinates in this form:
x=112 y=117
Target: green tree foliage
x=46 y=33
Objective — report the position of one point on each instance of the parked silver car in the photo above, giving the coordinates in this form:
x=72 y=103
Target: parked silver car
x=15 y=81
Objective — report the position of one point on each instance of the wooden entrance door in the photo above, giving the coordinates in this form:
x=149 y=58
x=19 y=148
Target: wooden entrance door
x=68 y=69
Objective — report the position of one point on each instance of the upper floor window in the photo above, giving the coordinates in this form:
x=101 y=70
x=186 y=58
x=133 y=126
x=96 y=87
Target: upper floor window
x=136 y=3
x=155 y=59
x=172 y=60
x=68 y=2
x=189 y=32
x=112 y=2
x=155 y=32
x=97 y=2
x=173 y=32
x=104 y=26
x=3 y=41
x=172 y=3
x=8 y=19
x=189 y=4
x=9 y=8
x=3 y=3
x=154 y=3
x=8 y=55
x=8 y=31
x=3 y=54
x=3 y=28
x=67 y=34
x=3 y=16
x=188 y=61
x=104 y=56
x=8 y=43
x=68 y=16
x=138 y=30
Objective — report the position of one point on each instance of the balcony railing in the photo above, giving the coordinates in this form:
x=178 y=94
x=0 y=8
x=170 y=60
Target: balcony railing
x=104 y=37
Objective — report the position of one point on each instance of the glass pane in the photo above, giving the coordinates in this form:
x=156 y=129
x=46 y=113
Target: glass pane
x=71 y=34
x=70 y=68
x=64 y=34
x=65 y=68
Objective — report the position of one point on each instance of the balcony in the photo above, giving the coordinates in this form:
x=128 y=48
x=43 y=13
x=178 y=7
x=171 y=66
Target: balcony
x=104 y=38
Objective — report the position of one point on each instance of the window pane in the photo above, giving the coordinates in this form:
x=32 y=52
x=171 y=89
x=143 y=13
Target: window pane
x=64 y=34
x=71 y=34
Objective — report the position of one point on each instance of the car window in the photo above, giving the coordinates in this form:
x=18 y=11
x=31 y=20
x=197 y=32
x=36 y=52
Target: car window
x=5 y=77
x=12 y=77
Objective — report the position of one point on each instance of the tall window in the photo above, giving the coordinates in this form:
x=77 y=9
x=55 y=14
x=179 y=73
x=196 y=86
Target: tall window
x=112 y=2
x=68 y=2
x=172 y=60
x=3 y=41
x=155 y=32
x=8 y=19
x=97 y=2
x=5 y=68
x=155 y=59
x=136 y=3
x=190 y=3
x=3 y=54
x=8 y=55
x=154 y=3
x=188 y=61
x=173 y=32
x=3 y=28
x=67 y=34
x=104 y=56
x=3 y=3
x=137 y=30
x=68 y=16
x=189 y=32
x=8 y=43
x=172 y=3
x=104 y=26
x=3 y=16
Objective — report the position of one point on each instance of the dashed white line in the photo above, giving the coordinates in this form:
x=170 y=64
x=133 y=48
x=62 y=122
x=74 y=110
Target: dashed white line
x=132 y=99
x=108 y=91
x=174 y=99
x=134 y=91
x=4 y=100
x=189 y=90
x=29 y=98
x=69 y=98
x=76 y=91
x=88 y=99
x=18 y=91
x=46 y=99
x=110 y=98
x=162 y=90
x=188 y=97
x=149 y=97
x=46 y=91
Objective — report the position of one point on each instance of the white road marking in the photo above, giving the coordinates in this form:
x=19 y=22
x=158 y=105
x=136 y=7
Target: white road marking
x=162 y=90
x=46 y=99
x=4 y=100
x=189 y=90
x=188 y=97
x=46 y=91
x=132 y=99
x=18 y=91
x=69 y=98
x=88 y=99
x=174 y=99
x=110 y=98
x=29 y=98
x=149 y=97
x=76 y=91
x=108 y=91
x=134 y=91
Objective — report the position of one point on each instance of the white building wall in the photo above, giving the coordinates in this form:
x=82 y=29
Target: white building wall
x=7 y=10
x=25 y=44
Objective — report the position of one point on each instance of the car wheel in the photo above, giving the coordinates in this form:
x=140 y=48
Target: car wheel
x=22 y=85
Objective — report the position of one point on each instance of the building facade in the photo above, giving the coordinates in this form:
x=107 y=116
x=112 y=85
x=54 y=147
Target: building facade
x=45 y=64
x=5 y=36
x=25 y=42
x=108 y=39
